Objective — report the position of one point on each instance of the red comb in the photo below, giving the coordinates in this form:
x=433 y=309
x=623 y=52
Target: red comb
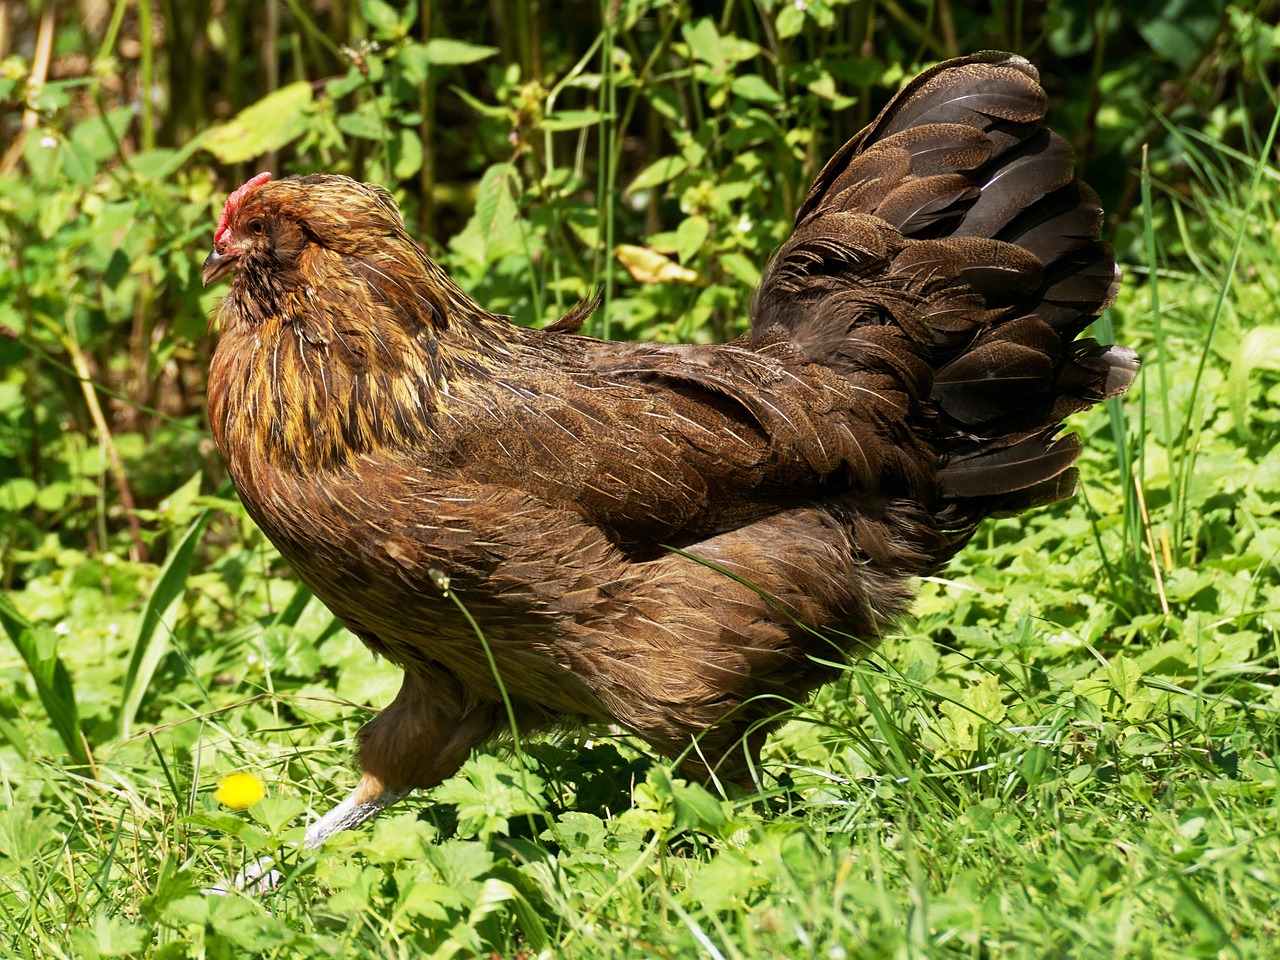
x=233 y=203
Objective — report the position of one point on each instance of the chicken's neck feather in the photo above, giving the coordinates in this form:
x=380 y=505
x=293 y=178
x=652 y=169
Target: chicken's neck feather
x=344 y=355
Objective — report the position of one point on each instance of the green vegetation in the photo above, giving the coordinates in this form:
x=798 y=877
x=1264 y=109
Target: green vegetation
x=1069 y=752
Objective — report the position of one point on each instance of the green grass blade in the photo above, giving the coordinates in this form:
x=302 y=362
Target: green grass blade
x=160 y=610
x=53 y=683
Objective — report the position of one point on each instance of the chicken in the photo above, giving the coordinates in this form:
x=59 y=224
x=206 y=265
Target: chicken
x=673 y=538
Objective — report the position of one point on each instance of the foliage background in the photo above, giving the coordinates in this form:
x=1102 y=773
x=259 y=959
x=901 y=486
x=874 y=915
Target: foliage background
x=1068 y=752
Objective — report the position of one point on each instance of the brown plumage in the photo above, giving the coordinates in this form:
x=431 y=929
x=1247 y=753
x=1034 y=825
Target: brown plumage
x=663 y=535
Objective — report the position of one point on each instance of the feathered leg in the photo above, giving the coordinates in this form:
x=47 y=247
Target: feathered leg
x=417 y=742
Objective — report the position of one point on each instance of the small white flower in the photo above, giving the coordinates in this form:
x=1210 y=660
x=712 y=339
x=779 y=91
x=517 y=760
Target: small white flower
x=801 y=5
x=63 y=629
x=744 y=224
x=48 y=141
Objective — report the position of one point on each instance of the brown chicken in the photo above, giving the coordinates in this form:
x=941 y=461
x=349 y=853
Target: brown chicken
x=670 y=537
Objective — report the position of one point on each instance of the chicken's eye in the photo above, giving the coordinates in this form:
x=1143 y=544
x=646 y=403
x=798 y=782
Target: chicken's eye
x=257 y=227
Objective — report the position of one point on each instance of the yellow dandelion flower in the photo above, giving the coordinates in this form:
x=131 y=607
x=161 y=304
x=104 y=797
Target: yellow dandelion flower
x=239 y=790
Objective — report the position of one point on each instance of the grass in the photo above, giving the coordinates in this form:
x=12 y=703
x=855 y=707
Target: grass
x=1068 y=751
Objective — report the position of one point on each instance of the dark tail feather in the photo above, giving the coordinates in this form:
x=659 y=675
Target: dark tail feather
x=955 y=218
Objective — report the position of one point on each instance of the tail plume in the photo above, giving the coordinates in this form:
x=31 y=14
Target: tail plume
x=955 y=219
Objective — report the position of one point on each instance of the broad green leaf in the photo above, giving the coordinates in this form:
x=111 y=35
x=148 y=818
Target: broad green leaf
x=77 y=164
x=1125 y=676
x=978 y=705
x=18 y=494
x=276 y=813
x=742 y=268
x=693 y=806
x=386 y=20
x=406 y=153
x=755 y=88
x=790 y=21
x=53 y=683
x=443 y=52
x=488 y=793
x=717 y=50
x=736 y=50
x=364 y=122
x=417 y=59
x=660 y=171
x=986 y=699
x=690 y=236
x=161 y=163
x=495 y=230
x=571 y=120
x=108 y=936
x=704 y=41
x=99 y=135
x=1179 y=38
x=696 y=809
x=274 y=121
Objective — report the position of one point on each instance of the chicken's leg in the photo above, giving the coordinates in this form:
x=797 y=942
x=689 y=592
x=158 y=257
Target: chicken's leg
x=418 y=741
x=365 y=802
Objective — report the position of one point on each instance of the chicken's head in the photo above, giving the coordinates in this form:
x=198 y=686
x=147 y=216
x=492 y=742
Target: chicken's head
x=268 y=223
x=235 y=232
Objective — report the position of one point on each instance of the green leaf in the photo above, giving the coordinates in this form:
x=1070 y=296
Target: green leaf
x=690 y=237
x=406 y=153
x=736 y=50
x=53 y=683
x=1178 y=39
x=77 y=164
x=98 y=135
x=17 y=495
x=495 y=229
x=274 y=121
x=717 y=50
x=571 y=120
x=790 y=21
x=741 y=268
x=386 y=21
x=448 y=53
x=704 y=41
x=693 y=806
x=1259 y=349
x=417 y=59
x=106 y=936
x=1126 y=677
x=488 y=793
x=365 y=122
x=157 y=622
x=985 y=699
x=161 y=163
x=754 y=87
x=276 y=813
x=660 y=171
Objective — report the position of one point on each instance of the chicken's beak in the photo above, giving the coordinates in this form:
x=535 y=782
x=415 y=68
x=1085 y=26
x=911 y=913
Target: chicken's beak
x=218 y=264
